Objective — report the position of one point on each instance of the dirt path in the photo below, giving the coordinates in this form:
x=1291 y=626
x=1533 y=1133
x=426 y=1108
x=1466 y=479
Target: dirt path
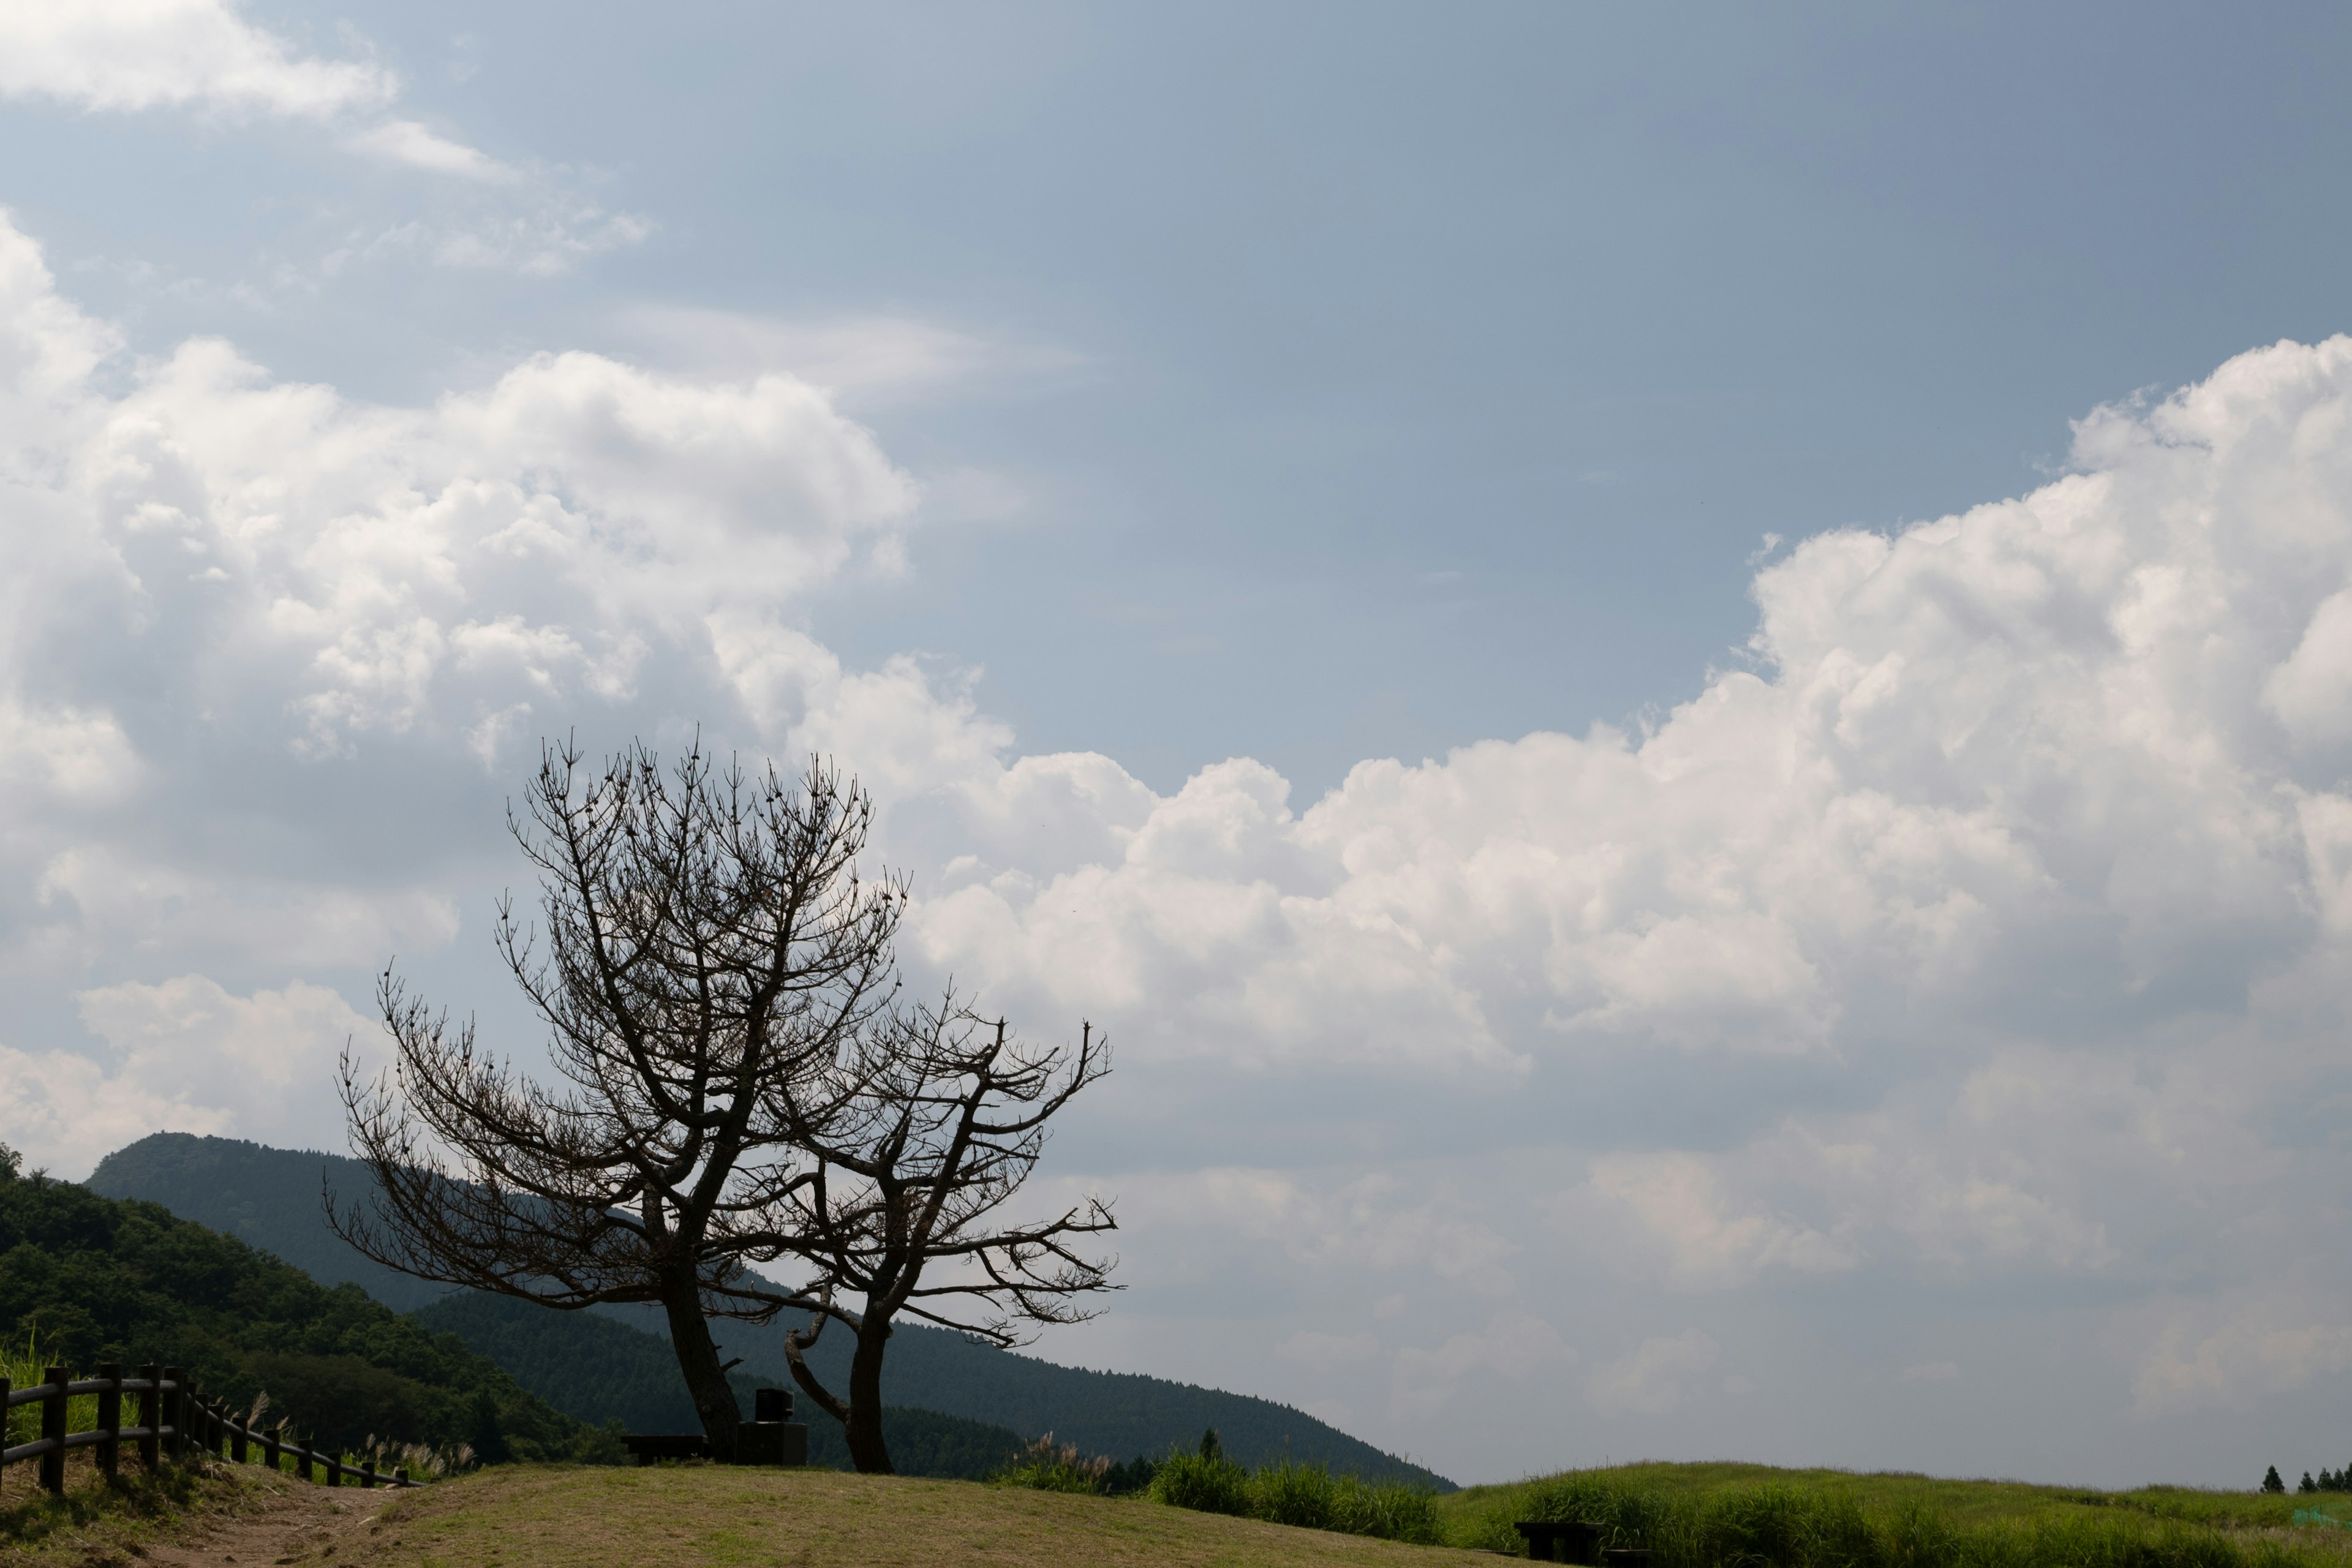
x=295 y=1524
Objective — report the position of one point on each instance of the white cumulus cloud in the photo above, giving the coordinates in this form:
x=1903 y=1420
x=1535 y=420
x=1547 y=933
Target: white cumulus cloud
x=128 y=54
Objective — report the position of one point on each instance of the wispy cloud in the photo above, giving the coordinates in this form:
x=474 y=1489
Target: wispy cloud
x=415 y=146
x=868 y=358
x=205 y=55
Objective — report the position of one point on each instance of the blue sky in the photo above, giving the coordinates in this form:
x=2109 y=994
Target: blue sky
x=1211 y=472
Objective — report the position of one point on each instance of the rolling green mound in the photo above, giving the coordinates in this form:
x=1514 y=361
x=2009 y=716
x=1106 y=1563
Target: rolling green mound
x=270 y=1197
x=1708 y=1515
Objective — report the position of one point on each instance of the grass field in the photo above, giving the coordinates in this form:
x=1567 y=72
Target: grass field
x=1963 y=1502
x=700 y=1516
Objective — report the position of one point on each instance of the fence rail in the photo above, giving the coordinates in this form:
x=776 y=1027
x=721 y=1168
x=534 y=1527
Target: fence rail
x=172 y=1422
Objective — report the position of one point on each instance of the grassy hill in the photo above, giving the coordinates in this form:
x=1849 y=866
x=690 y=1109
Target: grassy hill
x=270 y=1197
x=702 y=1516
x=1701 y=1515
x=90 y=1279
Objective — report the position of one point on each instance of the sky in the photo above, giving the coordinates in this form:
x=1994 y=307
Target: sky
x=1679 y=677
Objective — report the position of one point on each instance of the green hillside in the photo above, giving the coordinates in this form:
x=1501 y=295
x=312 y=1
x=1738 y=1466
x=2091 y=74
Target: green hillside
x=256 y=1193
x=92 y=1279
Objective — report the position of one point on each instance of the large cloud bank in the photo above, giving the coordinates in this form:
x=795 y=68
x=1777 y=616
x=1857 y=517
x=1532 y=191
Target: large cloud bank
x=2088 y=744
x=2030 y=827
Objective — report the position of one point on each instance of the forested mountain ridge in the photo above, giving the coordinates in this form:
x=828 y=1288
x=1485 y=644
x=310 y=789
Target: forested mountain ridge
x=258 y=1193
x=91 y=1278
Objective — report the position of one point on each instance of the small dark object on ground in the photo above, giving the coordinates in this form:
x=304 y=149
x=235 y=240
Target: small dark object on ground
x=1574 y=1542
x=1627 y=1557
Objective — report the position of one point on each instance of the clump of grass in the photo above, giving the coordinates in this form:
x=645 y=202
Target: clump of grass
x=1047 y=1467
x=25 y=1366
x=1311 y=1496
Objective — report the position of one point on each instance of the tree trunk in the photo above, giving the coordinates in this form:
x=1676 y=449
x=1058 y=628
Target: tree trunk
x=863 y=1430
x=705 y=1380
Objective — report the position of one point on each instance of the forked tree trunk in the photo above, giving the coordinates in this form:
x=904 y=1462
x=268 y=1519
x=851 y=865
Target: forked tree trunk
x=863 y=1430
x=706 y=1379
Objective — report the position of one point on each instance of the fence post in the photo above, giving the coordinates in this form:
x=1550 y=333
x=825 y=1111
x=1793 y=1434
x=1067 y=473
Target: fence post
x=6 y=1387
x=239 y=1433
x=109 y=1420
x=151 y=1415
x=175 y=1410
x=302 y=1459
x=52 y=1429
x=269 y=1449
x=335 y=1467
x=367 y=1472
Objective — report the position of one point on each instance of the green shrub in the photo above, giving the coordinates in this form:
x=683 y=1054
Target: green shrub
x=1207 y=1485
x=1308 y=1496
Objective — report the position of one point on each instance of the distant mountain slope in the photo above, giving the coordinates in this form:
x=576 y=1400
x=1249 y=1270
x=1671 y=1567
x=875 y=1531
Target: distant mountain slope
x=270 y=1197
x=264 y=1197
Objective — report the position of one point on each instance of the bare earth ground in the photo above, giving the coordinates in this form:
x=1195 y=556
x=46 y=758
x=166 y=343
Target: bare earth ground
x=291 y=1522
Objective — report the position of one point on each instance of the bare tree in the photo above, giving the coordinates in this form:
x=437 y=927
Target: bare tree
x=946 y=1118
x=713 y=978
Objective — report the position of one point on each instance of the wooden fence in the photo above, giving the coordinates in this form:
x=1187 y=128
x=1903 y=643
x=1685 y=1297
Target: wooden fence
x=172 y=1421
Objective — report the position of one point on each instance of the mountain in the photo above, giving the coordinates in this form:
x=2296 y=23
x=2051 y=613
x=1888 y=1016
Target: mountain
x=89 y=1279
x=270 y=1197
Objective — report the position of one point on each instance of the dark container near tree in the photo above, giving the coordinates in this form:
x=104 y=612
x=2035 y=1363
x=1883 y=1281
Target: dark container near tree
x=772 y=1437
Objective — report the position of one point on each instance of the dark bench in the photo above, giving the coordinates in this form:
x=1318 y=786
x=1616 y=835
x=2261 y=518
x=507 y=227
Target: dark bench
x=649 y=1447
x=773 y=1438
x=1572 y=1541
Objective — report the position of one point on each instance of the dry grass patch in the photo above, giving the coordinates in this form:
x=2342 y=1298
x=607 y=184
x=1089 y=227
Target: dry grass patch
x=701 y=1516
